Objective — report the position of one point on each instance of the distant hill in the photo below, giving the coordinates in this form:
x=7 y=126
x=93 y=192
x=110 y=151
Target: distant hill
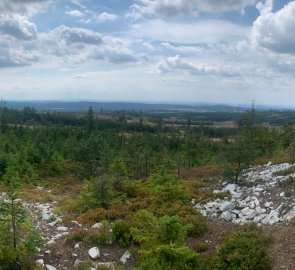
x=64 y=106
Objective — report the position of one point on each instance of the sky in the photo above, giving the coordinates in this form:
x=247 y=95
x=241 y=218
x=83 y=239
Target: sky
x=214 y=51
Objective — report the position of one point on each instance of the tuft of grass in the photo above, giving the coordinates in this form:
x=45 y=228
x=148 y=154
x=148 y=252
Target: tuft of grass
x=200 y=247
x=285 y=172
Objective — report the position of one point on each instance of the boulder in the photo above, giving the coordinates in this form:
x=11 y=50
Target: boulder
x=94 y=253
x=226 y=216
x=231 y=188
x=125 y=257
x=97 y=226
x=226 y=206
x=50 y=267
x=62 y=229
x=40 y=262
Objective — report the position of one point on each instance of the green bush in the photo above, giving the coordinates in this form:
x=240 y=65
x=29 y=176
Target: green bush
x=97 y=193
x=164 y=187
x=104 y=236
x=243 y=250
x=175 y=257
x=171 y=230
x=122 y=234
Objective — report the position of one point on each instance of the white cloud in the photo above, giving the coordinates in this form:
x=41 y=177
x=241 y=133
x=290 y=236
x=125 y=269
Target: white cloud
x=182 y=49
x=148 y=46
x=275 y=31
x=24 y=7
x=75 y=13
x=179 y=64
x=169 y=8
x=105 y=17
x=18 y=27
x=200 y=32
x=77 y=45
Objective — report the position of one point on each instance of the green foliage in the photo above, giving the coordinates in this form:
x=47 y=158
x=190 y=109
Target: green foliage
x=143 y=227
x=103 y=236
x=243 y=250
x=122 y=234
x=200 y=247
x=175 y=257
x=165 y=187
x=97 y=193
x=171 y=230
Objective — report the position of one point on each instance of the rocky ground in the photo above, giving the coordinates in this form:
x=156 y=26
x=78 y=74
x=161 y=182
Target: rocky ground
x=265 y=197
x=57 y=254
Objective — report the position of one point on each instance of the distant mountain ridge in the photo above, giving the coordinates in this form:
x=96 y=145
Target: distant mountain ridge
x=82 y=106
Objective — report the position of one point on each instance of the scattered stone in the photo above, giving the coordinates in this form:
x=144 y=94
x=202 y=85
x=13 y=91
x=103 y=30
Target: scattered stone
x=50 y=267
x=231 y=188
x=77 y=246
x=226 y=216
x=105 y=265
x=77 y=263
x=40 y=262
x=226 y=206
x=94 y=253
x=62 y=229
x=125 y=257
x=97 y=226
x=255 y=203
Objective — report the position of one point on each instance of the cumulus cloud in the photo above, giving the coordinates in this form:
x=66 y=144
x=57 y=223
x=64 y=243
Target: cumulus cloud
x=181 y=49
x=105 y=17
x=169 y=8
x=179 y=64
x=275 y=31
x=78 y=45
x=75 y=13
x=18 y=27
x=206 y=31
x=24 y=7
x=77 y=35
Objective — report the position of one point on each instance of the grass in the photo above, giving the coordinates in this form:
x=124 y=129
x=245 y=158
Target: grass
x=285 y=172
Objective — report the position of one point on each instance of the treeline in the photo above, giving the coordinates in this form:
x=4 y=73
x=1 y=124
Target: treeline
x=54 y=143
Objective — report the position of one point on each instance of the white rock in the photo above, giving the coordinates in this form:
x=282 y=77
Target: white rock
x=231 y=188
x=125 y=257
x=227 y=206
x=268 y=204
x=77 y=246
x=94 y=253
x=105 y=265
x=97 y=226
x=45 y=216
x=77 y=262
x=226 y=216
x=271 y=218
x=50 y=267
x=40 y=262
x=62 y=229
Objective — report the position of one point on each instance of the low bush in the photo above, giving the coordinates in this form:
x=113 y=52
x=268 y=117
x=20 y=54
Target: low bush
x=122 y=234
x=243 y=250
x=175 y=257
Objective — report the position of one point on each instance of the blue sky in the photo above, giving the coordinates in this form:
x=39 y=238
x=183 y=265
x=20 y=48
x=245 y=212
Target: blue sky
x=218 y=51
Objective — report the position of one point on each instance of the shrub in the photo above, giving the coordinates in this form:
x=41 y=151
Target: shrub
x=243 y=250
x=165 y=187
x=122 y=234
x=176 y=257
x=103 y=236
x=143 y=227
x=171 y=230
x=200 y=247
x=97 y=193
